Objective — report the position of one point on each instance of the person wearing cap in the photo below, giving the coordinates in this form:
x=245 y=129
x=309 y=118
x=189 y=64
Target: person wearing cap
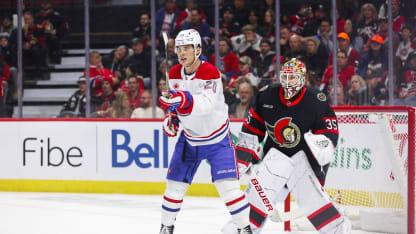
x=7 y=28
x=75 y=106
x=229 y=27
x=373 y=63
x=344 y=44
x=263 y=62
x=228 y=60
x=247 y=43
x=383 y=31
x=245 y=71
x=312 y=26
x=55 y=27
x=139 y=61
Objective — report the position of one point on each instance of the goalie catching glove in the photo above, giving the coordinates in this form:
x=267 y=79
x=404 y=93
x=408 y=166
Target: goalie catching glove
x=171 y=129
x=248 y=151
x=321 y=147
x=181 y=101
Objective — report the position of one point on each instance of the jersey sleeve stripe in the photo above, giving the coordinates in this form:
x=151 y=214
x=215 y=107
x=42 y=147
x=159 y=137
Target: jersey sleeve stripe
x=256 y=116
x=254 y=130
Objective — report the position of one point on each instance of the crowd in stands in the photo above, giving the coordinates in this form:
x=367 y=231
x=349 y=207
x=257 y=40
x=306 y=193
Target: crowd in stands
x=121 y=81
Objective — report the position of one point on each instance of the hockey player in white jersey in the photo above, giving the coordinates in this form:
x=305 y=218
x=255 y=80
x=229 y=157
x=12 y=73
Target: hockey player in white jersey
x=302 y=130
x=196 y=102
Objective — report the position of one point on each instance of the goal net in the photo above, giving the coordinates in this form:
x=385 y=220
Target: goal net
x=371 y=179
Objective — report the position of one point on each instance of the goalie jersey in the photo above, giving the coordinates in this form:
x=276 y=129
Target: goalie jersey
x=286 y=121
x=208 y=122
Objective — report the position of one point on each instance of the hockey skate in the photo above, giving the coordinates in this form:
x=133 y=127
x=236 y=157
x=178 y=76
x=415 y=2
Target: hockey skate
x=245 y=230
x=166 y=229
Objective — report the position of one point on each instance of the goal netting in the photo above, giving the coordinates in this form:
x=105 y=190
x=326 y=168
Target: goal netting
x=371 y=179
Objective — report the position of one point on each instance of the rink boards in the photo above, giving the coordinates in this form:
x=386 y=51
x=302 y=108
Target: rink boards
x=131 y=156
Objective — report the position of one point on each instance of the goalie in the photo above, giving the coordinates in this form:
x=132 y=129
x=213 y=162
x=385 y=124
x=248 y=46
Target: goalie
x=302 y=132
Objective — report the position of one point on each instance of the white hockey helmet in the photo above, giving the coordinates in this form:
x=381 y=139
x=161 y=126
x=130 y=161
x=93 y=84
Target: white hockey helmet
x=292 y=77
x=188 y=37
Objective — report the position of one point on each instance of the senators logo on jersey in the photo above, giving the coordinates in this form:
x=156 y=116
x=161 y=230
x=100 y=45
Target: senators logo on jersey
x=284 y=132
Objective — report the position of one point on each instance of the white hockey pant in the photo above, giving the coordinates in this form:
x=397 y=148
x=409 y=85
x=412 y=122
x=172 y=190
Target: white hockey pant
x=310 y=196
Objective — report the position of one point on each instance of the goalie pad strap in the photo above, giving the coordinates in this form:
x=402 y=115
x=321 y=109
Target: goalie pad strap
x=257 y=217
x=320 y=217
x=246 y=155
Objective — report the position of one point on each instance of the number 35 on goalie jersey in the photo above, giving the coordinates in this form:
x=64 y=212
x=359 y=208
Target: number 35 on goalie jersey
x=285 y=122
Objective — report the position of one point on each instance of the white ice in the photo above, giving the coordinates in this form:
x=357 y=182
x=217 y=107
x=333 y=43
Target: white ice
x=63 y=213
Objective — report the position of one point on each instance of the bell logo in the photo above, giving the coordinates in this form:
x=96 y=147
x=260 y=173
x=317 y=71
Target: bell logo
x=120 y=141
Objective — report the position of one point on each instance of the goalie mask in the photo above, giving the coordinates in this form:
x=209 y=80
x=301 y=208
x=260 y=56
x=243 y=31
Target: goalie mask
x=292 y=77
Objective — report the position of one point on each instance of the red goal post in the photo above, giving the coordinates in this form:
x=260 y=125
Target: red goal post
x=373 y=174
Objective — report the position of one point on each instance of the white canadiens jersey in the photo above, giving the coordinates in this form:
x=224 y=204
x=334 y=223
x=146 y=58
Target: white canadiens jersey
x=208 y=122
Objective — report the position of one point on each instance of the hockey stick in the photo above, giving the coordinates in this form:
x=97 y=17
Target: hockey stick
x=165 y=40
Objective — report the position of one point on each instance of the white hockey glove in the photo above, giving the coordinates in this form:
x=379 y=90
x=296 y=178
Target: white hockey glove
x=321 y=147
x=248 y=150
x=171 y=129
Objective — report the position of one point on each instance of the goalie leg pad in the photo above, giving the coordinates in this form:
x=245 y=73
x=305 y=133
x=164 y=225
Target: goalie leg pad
x=172 y=201
x=235 y=200
x=265 y=186
x=311 y=197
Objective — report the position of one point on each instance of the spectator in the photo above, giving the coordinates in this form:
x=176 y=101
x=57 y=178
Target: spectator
x=245 y=71
x=75 y=106
x=199 y=25
x=161 y=73
x=240 y=12
x=344 y=44
x=146 y=110
x=116 y=62
x=345 y=71
x=228 y=60
x=367 y=22
x=356 y=41
x=8 y=54
x=143 y=30
x=271 y=77
x=229 y=96
x=285 y=35
x=7 y=28
x=253 y=20
x=315 y=60
x=269 y=26
x=55 y=27
x=407 y=92
x=374 y=62
x=107 y=97
x=263 y=63
x=295 y=49
x=120 y=108
x=139 y=62
x=98 y=73
x=340 y=95
x=406 y=45
x=312 y=26
x=247 y=43
x=398 y=21
x=229 y=27
x=324 y=35
x=135 y=88
x=172 y=57
x=166 y=17
x=383 y=27
x=34 y=45
x=185 y=16
x=357 y=92
x=4 y=80
x=297 y=21
x=244 y=102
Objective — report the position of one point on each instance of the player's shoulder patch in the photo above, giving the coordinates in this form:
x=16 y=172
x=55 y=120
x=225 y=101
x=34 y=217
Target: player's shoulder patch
x=207 y=72
x=175 y=72
x=321 y=97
